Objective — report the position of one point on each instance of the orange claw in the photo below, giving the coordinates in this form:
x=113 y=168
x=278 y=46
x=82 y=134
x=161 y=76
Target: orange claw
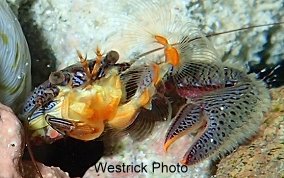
x=84 y=131
x=171 y=53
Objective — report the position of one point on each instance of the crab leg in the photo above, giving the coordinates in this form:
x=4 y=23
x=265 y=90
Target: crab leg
x=75 y=129
x=231 y=114
x=190 y=118
x=41 y=95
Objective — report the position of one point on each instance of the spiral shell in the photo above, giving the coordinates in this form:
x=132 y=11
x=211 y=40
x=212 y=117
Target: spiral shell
x=15 y=65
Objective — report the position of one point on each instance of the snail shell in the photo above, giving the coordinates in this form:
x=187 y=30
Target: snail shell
x=15 y=61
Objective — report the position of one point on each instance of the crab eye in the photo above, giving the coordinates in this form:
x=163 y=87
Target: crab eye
x=112 y=57
x=56 y=77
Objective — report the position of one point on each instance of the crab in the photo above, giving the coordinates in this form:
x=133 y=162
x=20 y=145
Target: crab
x=81 y=99
x=217 y=102
x=224 y=104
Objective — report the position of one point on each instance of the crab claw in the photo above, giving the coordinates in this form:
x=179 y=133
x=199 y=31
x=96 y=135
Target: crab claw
x=191 y=118
x=75 y=129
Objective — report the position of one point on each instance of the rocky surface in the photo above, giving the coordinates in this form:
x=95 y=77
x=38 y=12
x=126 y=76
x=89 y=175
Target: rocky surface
x=11 y=143
x=149 y=154
x=47 y=172
x=263 y=156
x=64 y=26
x=11 y=148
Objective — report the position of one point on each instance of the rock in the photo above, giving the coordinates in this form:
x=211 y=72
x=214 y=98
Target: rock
x=150 y=154
x=47 y=172
x=69 y=25
x=11 y=148
x=15 y=5
x=11 y=143
x=263 y=156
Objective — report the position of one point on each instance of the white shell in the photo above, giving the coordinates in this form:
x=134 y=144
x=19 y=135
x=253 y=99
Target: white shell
x=15 y=61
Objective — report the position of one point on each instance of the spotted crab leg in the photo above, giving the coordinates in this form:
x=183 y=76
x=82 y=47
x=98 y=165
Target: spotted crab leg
x=189 y=119
x=231 y=114
x=194 y=119
x=40 y=96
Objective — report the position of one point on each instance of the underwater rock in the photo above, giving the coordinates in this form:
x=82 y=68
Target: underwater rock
x=15 y=74
x=11 y=149
x=15 y=4
x=69 y=25
x=29 y=171
x=258 y=44
x=263 y=156
x=11 y=144
x=148 y=153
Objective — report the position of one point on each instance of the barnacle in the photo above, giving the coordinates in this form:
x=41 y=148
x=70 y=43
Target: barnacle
x=15 y=80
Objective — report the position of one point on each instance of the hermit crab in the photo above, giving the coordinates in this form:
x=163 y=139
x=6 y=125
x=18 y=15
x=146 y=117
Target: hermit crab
x=222 y=101
x=218 y=102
